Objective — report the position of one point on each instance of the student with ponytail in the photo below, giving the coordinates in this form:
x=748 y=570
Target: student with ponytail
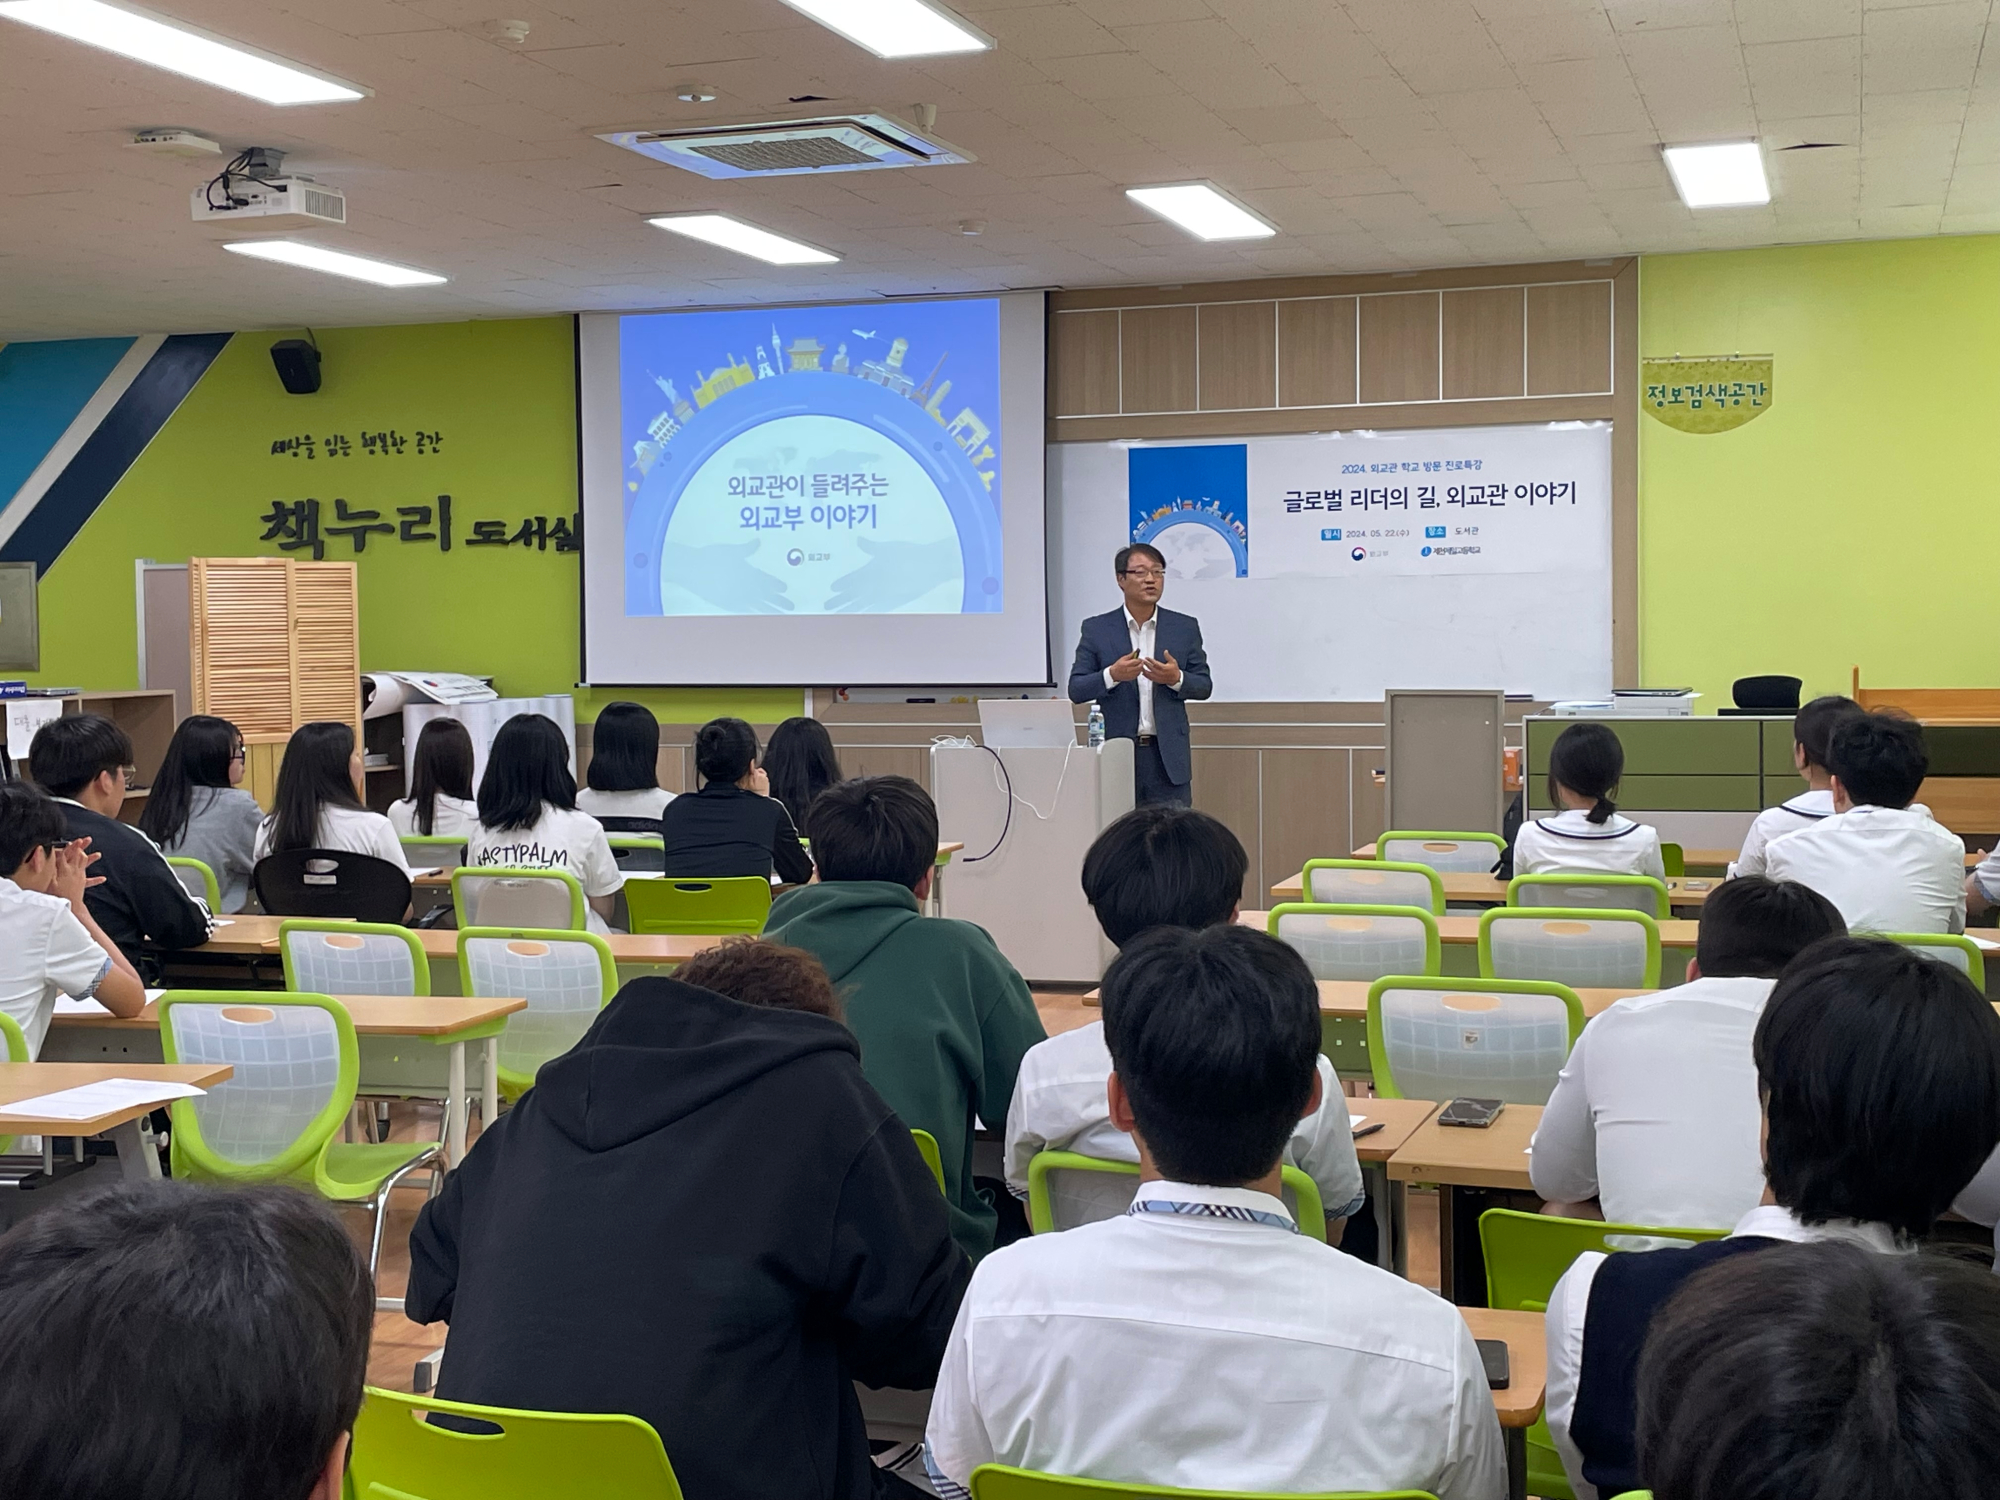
x=1588 y=833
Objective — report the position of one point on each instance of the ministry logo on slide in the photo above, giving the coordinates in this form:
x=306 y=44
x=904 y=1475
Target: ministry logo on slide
x=1359 y=554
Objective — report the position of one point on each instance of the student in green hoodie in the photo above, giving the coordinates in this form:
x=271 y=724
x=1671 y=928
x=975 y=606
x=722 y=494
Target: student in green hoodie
x=942 y=1018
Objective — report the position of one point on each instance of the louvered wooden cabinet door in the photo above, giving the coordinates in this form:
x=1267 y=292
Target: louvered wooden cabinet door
x=326 y=643
x=240 y=630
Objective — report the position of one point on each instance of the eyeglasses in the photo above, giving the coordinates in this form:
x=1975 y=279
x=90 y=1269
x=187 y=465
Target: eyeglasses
x=239 y=753
x=1142 y=575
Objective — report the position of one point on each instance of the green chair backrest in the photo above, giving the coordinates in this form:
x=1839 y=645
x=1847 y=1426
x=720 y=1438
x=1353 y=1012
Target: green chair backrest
x=927 y=1148
x=1634 y=1495
x=199 y=880
x=1001 y=1482
x=1582 y=948
x=1526 y=1254
x=1953 y=948
x=637 y=852
x=1300 y=1191
x=1434 y=1038
x=1459 y=853
x=432 y=851
x=505 y=896
x=352 y=958
x=295 y=1062
x=17 y=1051
x=1378 y=882
x=1350 y=941
x=1674 y=858
x=535 y=1454
x=566 y=976
x=735 y=904
x=1592 y=890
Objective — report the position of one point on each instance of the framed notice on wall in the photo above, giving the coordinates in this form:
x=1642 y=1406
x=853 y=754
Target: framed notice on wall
x=20 y=625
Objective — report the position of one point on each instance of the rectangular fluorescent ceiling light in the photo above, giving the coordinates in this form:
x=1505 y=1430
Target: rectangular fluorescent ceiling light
x=744 y=239
x=334 y=262
x=1725 y=176
x=179 y=49
x=895 y=28
x=1202 y=211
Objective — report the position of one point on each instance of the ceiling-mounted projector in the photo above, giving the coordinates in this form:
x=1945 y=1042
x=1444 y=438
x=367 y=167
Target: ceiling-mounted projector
x=269 y=198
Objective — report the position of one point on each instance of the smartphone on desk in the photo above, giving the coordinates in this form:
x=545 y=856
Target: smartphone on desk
x=1493 y=1355
x=1474 y=1114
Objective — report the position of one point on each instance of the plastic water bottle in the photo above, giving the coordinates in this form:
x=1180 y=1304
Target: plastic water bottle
x=1096 y=732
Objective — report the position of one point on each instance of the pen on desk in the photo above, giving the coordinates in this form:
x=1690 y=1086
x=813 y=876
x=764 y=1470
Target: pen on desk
x=1370 y=1129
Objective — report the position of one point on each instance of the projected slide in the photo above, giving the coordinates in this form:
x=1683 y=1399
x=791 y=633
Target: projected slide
x=812 y=461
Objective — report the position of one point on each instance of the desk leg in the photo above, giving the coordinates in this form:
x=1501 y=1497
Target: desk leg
x=1399 y=1228
x=1516 y=1439
x=489 y=1096
x=1447 y=1256
x=937 y=889
x=455 y=1102
x=137 y=1160
x=1376 y=1175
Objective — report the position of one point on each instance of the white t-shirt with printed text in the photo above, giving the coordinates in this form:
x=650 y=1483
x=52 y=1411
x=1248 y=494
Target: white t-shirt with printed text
x=560 y=839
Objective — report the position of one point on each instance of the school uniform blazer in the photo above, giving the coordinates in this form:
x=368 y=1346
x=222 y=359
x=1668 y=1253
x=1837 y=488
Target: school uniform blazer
x=1104 y=639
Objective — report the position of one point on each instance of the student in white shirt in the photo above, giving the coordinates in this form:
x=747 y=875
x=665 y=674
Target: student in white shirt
x=1881 y=858
x=1588 y=834
x=440 y=803
x=1656 y=1112
x=1812 y=739
x=318 y=803
x=623 y=777
x=1880 y=1075
x=528 y=818
x=50 y=944
x=1199 y=1340
x=1159 y=866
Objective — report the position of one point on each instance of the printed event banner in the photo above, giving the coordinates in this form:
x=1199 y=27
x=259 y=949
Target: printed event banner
x=1706 y=395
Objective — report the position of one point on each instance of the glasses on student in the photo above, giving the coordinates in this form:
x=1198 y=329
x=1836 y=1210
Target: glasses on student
x=1141 y=575
x=239 y=753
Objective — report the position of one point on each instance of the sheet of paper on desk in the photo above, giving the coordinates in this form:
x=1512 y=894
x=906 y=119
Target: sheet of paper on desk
x=1355 y=1122
x=1986 y=945
x=66 y=1006
x=151 y=995
x=419 y=871
x=88 y=1101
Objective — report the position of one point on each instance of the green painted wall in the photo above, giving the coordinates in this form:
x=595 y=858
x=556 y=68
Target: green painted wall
x=1854 y=522
x=500 y=396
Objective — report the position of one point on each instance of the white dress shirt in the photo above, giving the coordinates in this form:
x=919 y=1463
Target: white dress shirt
x=1143 y=637
x=1888 y=869
x=1209 y=1345
x=1656 y=1112
x=1803 y=811
x=639 y=802
x=1571 y=844
x=354 y=829
x=1570 y=1301
x=1059 y=1105
x=451 y=817
x=44 y=951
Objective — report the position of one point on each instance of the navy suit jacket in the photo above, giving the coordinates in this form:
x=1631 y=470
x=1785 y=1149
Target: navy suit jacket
x=1105 y=638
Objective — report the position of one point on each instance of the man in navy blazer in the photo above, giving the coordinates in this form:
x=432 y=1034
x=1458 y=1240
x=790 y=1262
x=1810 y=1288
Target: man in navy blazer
x=1144 y=664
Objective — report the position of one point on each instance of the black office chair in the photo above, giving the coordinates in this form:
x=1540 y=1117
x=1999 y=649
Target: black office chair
x=1763 y=697
x=331 y=883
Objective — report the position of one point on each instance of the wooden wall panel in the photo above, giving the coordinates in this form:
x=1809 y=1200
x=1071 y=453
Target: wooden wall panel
x=1482 y=343
x=1156 y=358
x=1399 y=347
x=1305 y=802
x=1237 y=355
x=1569 y=338
x=1316 y=352
x=1083 y=361
x=1226 y=788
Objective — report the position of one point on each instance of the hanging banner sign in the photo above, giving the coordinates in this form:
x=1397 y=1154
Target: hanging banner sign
x=1705 y=395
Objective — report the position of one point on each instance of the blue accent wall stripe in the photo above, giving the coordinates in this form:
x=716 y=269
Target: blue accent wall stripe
x=120 y=438
x=42 y=388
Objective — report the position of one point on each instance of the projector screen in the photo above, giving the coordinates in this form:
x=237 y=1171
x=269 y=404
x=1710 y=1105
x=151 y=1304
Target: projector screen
x=847 y=495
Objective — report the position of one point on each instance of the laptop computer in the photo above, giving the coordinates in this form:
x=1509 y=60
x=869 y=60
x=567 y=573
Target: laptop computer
x=1026 y=723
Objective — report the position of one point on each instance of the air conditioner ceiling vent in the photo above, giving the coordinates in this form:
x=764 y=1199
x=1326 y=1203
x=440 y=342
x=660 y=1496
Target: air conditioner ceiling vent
x=781 y=148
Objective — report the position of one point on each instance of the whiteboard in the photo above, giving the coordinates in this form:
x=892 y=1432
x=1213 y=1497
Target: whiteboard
x=1306 y=620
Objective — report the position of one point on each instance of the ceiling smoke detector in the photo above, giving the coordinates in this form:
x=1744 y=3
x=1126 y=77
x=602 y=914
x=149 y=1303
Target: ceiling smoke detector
x=512 y=32
x=166 y=142
x=694 y=93
x=781 y=148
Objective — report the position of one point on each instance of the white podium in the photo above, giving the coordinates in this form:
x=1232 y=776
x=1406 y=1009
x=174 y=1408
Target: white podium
x=1027 y=892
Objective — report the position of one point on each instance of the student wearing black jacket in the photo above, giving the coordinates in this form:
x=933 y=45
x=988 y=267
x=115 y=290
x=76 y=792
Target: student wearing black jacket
x=733 y=825
x=704 y=1216
x=80 y=760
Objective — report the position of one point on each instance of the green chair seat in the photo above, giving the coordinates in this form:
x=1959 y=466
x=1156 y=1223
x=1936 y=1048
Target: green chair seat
x=351 y=1172
x=1002 y=1482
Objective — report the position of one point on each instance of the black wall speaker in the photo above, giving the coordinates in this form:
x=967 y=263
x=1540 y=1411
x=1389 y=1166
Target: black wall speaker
x=298 y=365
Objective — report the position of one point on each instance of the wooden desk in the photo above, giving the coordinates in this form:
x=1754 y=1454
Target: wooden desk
x=1454 y=1157
x=1462 y=931
x=1520 y=1404
x=257 y=936
x=1464 y=889
x=137 y=1159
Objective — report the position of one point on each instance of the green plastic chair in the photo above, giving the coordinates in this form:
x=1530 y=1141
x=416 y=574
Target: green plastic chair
x=1953 y=948
x=1674 y=858
x=1582 y=947
x=276 y=1118
x=1526 y=1255
x=1301 y=1192
x=1634 y=1495
x=1592 y=890
x=927 y=1148
x=638 y=851
x=723 y=906
x=397 y=1455
x=1002 y=1482
x=566 y=976
x=1354 y=941
x=1496 y=1050
x=509 y=896
x=199 y=880
x=1456 y=853
x=352 y=958
x=432 y=851
x=17 y=1051
x=1379 y=882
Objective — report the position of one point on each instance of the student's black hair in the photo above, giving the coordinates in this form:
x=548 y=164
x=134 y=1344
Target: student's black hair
x=624 y=750
x=441 y=766
x=200 y=754
x=29 y=820
x=1880 y=1071
x=1215 y=1036
x=800 y=760
x=173 y=1342
x=527 y=767
x=1163 y=866
x=69 y=753
x=724 y=750
x=1587 y=759
x=1814 y=726
x=1125 y=556
x=874 y=828
x=1824 y=1370
x=1752 y=927
x=315 y=774
x=1880 y=758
